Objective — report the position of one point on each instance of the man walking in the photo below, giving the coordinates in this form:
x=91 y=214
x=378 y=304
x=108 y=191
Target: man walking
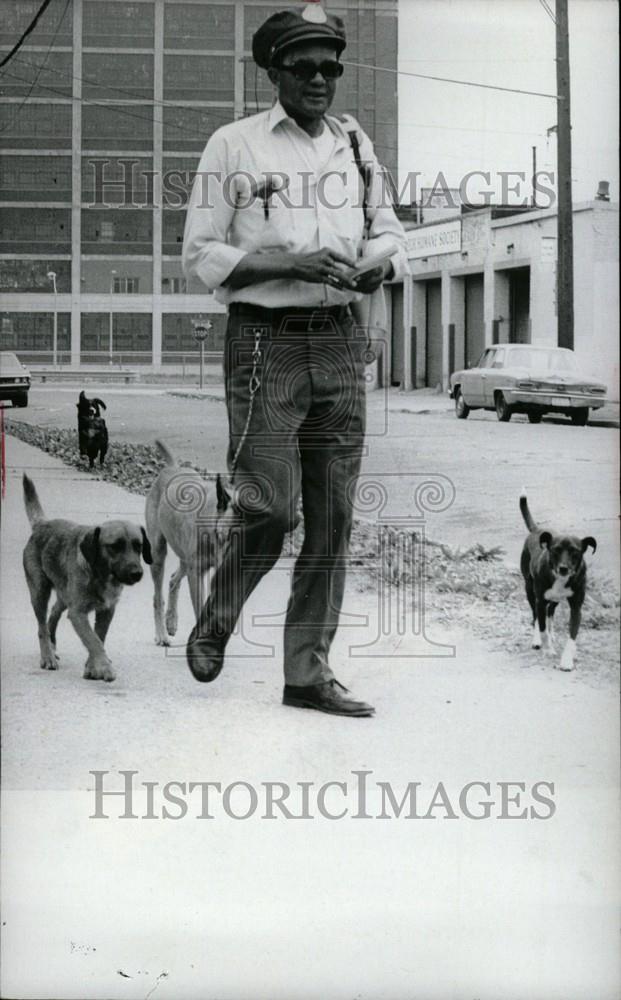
x=284 y=205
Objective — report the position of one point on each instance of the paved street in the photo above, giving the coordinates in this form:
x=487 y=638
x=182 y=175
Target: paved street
x=189 y=908
x=571 y=474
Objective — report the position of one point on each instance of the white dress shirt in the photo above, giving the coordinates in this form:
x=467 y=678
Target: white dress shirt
x=316 y=206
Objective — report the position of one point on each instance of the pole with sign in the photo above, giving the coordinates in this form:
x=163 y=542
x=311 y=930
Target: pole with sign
x=201 y=331
x=52 y=277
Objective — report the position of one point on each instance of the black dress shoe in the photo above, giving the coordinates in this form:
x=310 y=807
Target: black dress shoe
x=325 y=698
x=205 y=655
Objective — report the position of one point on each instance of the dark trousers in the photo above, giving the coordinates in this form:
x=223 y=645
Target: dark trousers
x=305 y=438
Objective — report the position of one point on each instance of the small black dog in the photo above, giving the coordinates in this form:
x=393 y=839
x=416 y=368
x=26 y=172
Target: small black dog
x=554 y=569
x=92 y=430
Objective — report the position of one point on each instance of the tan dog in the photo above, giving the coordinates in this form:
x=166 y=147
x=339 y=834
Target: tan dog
x=87 y=567
x=184 y=511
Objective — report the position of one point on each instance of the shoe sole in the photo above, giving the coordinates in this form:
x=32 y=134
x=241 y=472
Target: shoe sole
x=362 y=713
x=205 y=676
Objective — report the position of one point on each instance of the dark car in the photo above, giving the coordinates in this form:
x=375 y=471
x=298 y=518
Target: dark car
x=14 y=379
x=521 y=378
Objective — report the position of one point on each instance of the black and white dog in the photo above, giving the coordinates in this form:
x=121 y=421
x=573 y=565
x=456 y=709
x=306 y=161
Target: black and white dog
x=554 y=569
x=92 y=430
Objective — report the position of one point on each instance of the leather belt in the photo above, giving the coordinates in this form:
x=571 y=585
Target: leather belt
x=309 y=317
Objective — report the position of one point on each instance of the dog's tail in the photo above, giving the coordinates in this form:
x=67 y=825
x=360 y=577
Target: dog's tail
x=526 y=514
x=99 y=402
x=163 y=452
x=34 y=509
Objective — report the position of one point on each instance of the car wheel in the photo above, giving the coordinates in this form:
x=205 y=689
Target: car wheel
x=22 y=399
x=461 y=407
x=503 y=410
x=579 y=417
x=534 y=417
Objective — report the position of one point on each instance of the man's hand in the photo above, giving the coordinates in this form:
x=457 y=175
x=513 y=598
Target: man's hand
x=371 y=280
x=324 y=267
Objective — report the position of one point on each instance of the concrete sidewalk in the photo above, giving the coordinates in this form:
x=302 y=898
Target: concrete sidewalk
x=522 y=908
x=418 y=401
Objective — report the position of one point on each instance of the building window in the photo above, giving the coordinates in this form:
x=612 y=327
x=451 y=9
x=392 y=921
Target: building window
x=18 y=14
x=35 y=178
x=174 y=286
x=131 y=337
x=199 y=26
x=113 y=127
x=40 y=75
x=173 y=223
x=117 y=25
x=35 y=126
x=120 y=231
x=115 y=75
x=190 y=127
x=36 y=230
x=32 y=275
x=33 y=332
x=126 y=286
x=117 y=180
x=196 y=78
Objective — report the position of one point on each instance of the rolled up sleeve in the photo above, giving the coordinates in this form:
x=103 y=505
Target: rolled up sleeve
x=207 y=254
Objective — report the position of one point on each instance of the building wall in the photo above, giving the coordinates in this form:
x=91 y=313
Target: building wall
x=498 y=252
x=101 y=113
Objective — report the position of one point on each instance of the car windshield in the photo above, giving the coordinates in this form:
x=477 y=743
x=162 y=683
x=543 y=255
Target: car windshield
x=555 y=359
x=9 y=363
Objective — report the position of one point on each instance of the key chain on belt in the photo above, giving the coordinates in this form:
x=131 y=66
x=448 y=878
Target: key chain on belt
x=253 y=388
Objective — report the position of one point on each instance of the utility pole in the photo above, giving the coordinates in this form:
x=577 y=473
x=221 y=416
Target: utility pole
x=565 y=236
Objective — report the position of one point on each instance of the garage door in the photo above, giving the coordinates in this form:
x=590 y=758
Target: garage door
x=397 y=353
x=474 y=322
x=434 y=333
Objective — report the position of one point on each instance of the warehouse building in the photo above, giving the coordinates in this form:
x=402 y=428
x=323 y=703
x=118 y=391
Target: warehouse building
x=488 y=277
x=112 y=101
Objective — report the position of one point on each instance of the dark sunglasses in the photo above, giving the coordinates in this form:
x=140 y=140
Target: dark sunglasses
x=306 y=70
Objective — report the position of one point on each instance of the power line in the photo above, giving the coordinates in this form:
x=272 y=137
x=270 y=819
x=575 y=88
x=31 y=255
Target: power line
x=445 y=79
x=548 y=10
x=119 y=109
x=224 y=117
x=104 y=86
x=29 y=29
x=171 y=125
x=453 y=128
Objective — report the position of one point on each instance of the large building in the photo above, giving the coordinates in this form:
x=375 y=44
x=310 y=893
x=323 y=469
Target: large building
x=105 y=101
x=489 y=277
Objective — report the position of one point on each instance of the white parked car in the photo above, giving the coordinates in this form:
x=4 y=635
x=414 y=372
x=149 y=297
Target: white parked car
x=14 y=379
x=522 y=378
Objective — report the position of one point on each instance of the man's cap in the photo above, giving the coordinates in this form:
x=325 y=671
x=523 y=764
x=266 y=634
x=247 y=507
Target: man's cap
x=292 y=27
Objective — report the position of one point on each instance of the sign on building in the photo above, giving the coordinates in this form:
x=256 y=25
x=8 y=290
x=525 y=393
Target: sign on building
x=429 y=241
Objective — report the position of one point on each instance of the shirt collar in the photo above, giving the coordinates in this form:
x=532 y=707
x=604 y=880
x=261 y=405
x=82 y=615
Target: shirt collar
x=277 y=115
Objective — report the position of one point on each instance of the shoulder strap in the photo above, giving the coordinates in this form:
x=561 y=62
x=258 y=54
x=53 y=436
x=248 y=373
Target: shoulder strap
x=363 y=168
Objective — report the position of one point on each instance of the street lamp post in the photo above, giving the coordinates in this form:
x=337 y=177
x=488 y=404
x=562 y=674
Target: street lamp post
x=201 y=330
x=52 y=277
x=110 y=327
